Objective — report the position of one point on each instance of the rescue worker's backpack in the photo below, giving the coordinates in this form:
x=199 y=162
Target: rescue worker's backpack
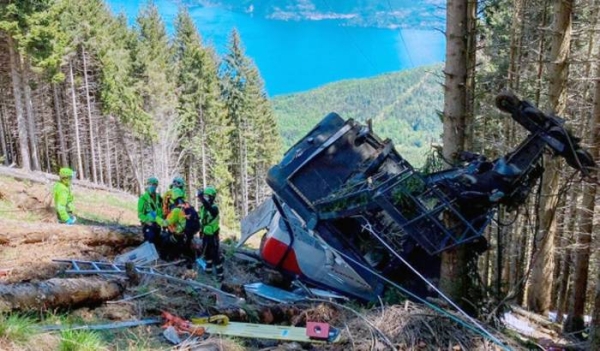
x=192 y=223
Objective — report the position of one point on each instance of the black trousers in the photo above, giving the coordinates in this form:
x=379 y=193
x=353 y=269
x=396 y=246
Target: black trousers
x=151 y=233
x=172 y=246
x=212 y=255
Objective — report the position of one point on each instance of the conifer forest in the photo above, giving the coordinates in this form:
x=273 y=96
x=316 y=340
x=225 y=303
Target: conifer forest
x=120 y=104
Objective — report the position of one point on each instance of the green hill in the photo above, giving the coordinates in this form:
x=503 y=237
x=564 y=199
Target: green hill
x=404 y=107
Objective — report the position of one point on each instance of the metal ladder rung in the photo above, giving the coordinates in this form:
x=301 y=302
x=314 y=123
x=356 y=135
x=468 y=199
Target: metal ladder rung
x=91 y=271
x=100 y=267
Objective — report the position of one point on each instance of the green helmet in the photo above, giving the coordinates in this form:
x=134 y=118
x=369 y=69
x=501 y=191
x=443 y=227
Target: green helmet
x=210 y=191
x=65 y=173
x=177 y=193
x=152 y=181
x=178 y=182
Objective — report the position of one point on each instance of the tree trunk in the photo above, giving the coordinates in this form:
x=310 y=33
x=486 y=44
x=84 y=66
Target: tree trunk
x=58 y=293
x=244 y=169
x=108 y=158
x=595 y=325
x=470 y=64
x=515 y=46
x=80 y=170
x=90 y=121
x=47 y=157
x=565 y=278
x=594 y=336
x=525 y=258
x=541 y=51
x=31 y=233
x=138 y=177
x=31 y=128
x=558 y=246
x=5 y=157
x=98 y=141
x=203 y=149
x=541 y=280
x=574 y=321
x=454 y=277
x=59 y=129
x=538 y=295
x=15 y=63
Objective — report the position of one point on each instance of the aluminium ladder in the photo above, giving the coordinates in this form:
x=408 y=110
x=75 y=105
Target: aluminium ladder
x=91 y=267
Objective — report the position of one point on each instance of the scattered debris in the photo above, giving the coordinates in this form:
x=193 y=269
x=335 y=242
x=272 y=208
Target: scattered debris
x=216 y=319
x=141 y=256
x=172 y=335
x=201 y=263
x=181 y=325
x=272 y=293
x=88 y=267
x=319 y=331
x=133 y=297
x=115 y=325
x=314 y=292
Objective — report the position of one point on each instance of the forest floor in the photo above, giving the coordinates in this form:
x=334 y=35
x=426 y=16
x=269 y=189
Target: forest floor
x=31 y=238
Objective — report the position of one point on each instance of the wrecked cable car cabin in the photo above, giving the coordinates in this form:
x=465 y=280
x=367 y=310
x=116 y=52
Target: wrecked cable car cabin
x=349 y=213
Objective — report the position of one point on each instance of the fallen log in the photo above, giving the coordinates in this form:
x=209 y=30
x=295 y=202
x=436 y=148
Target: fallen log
x=537 y=318
x=48 y=178
x=58 y=293
x=31 y=233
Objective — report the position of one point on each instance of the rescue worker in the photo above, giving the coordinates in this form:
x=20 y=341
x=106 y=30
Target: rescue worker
x=179 y=183
x=63 y=197
x=209 y=230
x=172 y=239
x=149 y=210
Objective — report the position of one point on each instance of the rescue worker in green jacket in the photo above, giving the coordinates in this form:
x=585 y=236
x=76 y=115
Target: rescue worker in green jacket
x=209 y=230
x=150 y=210
x=173 y=237
x=63 y=197
x=179 y=183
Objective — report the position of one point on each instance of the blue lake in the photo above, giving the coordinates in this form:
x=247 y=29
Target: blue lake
x=298 y=56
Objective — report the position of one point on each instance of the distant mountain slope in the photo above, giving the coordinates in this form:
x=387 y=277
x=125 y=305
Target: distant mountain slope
x=404 y=106
x=424 y=14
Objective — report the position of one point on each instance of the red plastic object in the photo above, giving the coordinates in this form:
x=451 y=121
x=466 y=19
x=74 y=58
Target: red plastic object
x=317 y=330
x=274 y=251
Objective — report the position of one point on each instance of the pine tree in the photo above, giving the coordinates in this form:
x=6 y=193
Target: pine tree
x=265 y=143
x=254 y=123
x=205 y=127
x=155 y=83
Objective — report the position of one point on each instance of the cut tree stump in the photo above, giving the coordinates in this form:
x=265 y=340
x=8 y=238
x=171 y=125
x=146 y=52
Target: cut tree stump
x=58 y=293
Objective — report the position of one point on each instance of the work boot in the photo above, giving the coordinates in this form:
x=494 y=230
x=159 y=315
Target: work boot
x=219 y=269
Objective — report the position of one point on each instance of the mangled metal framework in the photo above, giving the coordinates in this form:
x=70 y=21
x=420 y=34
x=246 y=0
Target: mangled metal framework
x=341 y=189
